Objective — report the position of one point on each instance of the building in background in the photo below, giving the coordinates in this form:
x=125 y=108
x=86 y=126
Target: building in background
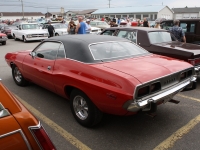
x=139 y=12
x=85 y=13
x=186 y=13
x=19 y=15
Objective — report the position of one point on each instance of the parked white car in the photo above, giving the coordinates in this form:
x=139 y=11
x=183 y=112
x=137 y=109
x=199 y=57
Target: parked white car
x=95 y=30
x=29 y=32
x=60 y=28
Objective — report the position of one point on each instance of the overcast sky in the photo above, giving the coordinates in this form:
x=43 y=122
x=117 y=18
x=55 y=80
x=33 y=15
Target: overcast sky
x=54 y=5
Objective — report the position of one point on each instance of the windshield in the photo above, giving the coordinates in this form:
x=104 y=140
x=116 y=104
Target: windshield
x=160 y=37
x=30 y=26
x=115 y=50
x=60 y=26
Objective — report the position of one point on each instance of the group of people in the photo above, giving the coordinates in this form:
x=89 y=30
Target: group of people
x=81 y=28
x=85 y=28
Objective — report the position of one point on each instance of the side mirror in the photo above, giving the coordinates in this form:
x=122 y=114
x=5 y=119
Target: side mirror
x=32 y=54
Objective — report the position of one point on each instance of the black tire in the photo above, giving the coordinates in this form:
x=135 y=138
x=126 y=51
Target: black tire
x=93 y=114
x=18 y=77
x=15 y=37
x=4 y=43
x=24 y=39
x=56 y=34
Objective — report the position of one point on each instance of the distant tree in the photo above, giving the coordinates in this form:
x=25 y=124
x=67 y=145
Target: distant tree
x=186 y=7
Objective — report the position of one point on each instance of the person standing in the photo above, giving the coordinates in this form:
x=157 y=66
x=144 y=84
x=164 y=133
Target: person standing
x=81 y=27
x=51 y=29
x=71 y=27
x=146 y=23
x=157 y=25
x=178 y=31
x=88 y=26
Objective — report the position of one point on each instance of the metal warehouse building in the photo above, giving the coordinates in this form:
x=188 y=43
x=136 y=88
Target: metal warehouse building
x=152 y=12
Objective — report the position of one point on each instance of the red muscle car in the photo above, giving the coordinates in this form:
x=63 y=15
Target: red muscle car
x=101 y=74
x=19 y=129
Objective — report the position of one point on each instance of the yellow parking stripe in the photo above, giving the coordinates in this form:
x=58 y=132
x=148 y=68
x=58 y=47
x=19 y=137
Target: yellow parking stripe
x=195 y=99
x=170 y=141
x=70 y=138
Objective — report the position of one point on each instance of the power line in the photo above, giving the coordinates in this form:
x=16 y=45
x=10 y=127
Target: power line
x=109 y=3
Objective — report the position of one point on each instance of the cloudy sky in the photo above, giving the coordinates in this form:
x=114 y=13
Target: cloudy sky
x=54 y=5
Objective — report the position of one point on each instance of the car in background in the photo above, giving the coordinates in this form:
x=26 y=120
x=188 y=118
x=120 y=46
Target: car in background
x=95 y=30
x=151 y=24
x=159 y=41
x=191 y=27
x=3 y=25
x=17 y=23
x=101 y=74
x=29 y=32
x=7 y=30
x=3 y=38
x=100 y=24
x=20 y=130
x=60 y=28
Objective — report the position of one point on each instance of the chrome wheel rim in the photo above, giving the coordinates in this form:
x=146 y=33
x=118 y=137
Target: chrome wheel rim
x=17 y=75
x=80 y=107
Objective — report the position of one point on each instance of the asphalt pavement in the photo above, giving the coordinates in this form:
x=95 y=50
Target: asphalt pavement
x=175 y=127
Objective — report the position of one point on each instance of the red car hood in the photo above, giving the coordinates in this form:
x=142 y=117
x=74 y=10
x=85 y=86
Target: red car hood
x=148 y=68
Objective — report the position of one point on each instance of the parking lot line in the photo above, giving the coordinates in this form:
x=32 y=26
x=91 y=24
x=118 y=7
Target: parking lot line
x=170 y=141
x=70 y=138
x=192 y=98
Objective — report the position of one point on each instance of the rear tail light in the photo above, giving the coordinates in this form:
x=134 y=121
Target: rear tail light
x=155 y=87
x=194 y=61
x=183 y=76
x=186 y=74
x=42 y=138
x=143 y=91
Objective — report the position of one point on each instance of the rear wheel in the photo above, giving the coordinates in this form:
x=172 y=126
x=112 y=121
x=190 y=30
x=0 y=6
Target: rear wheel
x=17 y=76
x=56 y=34
x=4 y=43
x=84 y=111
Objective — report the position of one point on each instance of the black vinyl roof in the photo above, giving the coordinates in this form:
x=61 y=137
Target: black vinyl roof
x=77 y=46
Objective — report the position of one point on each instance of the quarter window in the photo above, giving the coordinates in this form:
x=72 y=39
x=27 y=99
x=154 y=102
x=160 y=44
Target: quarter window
x=47 y=50
x=61 y=52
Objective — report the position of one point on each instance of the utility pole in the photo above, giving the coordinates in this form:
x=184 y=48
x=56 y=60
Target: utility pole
x=109 y=3
x=22 y=8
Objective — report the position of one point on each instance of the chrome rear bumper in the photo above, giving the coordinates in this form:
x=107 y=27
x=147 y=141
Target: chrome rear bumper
x=197 y=69
x=164 y=96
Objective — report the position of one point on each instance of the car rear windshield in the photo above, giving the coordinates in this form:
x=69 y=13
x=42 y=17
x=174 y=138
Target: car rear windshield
x=160 y=37
x=115 y=50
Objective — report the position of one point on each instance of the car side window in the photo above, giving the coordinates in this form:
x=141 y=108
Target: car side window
x=47 y=50
x=61 y=52
x=109 y=32
x=130 y=35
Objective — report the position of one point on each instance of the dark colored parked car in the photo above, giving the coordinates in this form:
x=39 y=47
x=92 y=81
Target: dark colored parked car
x=7 y=30
x=191 y=27
x=160 y=42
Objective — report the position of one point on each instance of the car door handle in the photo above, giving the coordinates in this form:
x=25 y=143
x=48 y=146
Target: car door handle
x=49 y=67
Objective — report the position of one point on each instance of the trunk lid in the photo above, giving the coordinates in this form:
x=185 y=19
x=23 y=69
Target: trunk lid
x=149 y=67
